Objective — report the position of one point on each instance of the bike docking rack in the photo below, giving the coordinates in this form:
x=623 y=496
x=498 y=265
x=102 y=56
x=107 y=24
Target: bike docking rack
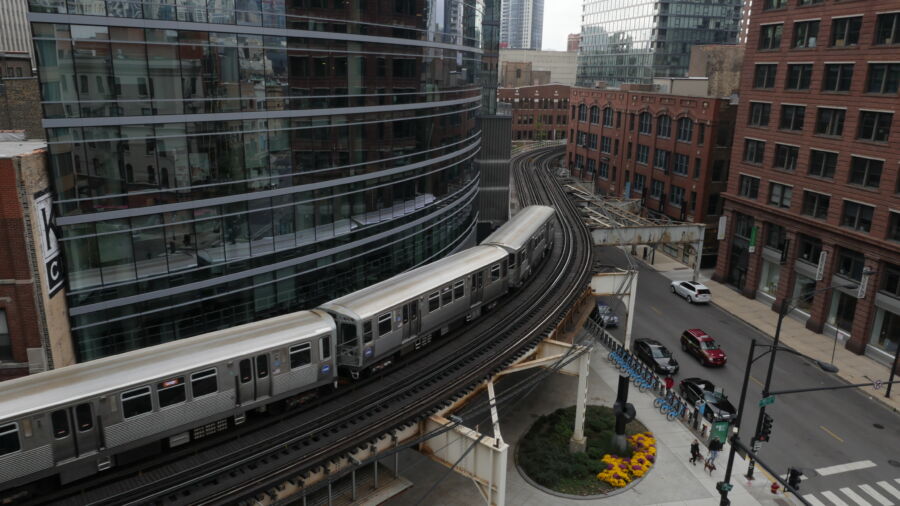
x=673 y=405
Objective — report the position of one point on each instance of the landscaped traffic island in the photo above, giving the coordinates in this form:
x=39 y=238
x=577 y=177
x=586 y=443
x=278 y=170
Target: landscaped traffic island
x=543 y=453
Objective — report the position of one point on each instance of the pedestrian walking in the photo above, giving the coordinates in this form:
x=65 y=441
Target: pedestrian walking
x=695 y=452
x=715 y=446
x=669 y=382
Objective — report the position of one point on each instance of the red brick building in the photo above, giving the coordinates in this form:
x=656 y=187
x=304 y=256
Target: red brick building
x=813 y=195
x=34 y=326
x=573 y=42
x=671 y=151
x=538 y=112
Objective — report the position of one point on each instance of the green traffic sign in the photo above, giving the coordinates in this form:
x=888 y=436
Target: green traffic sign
x=765 y=401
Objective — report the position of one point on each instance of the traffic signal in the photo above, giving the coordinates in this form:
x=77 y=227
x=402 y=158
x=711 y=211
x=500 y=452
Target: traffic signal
x=794 y=478
x=765 y=430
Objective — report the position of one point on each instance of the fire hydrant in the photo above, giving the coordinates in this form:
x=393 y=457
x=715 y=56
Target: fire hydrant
x=775 y=487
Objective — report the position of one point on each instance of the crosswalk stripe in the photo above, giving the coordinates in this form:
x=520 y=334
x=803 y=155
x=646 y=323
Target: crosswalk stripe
x=812 y=500
x=843 y=468
x=875 y=495
x=855 y=497
x=890 y=489
x=831 y=496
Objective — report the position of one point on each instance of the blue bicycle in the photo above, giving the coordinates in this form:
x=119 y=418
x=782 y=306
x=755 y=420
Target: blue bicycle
x=674 y=410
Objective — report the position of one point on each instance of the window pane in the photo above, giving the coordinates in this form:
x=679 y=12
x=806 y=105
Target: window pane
x=206 y=382
x=300 y=355
x=9 y=439
x=60 y=422
x=83 y=417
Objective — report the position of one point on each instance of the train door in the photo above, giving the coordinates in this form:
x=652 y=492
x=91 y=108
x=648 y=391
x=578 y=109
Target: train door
x=410 y=319
x=477 y=282
x=74 y=432
x=253 y=379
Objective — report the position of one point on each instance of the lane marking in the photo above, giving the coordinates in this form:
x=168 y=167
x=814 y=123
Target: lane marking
x=657 y=310
x=831 y=496
x=889 y=488
x=832 y=434
x=760 y=383
x=842 y=468
x=812 y=500
x=869 y=489
x=855 y=497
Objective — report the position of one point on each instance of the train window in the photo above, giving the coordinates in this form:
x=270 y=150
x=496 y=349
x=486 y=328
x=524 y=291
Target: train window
x=262 y=366
x=171 y=391
x=367 y=331
x=246 y=373
x=348 y=333
x=136 y=402
x=206 y=382
x=495 y=273
x=446 y=296
x=512 y=261
x=83 y=417
x=479 y=279
x=60 y=422
x=459 y=289
x=300 y=355
x=9 y=439
x=384 y=324
x=503 y=268
x=405 y=312
x=434 y=302
x=325 y=348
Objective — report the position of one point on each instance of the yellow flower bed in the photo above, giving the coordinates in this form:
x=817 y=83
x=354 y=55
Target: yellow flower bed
x=621 y=471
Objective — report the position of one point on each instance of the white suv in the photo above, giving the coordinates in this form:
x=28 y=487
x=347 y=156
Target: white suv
x=692 y=291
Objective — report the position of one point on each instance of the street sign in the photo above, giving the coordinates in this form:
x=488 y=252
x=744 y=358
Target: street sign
x=765 y=401
x=877 y=384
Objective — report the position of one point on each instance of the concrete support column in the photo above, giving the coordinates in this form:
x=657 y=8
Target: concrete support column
x=578 y=443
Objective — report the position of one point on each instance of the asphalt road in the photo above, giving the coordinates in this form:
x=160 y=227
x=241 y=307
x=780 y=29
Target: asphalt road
x=811 y=430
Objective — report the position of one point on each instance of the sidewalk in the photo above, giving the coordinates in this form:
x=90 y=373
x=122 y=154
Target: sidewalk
x=852 y=367
x=673 y=481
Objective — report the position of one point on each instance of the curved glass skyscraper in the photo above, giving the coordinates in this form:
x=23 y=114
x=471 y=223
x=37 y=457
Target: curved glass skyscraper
x=217 y=162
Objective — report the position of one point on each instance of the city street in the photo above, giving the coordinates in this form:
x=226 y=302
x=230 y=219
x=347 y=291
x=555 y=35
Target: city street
x=839 y=439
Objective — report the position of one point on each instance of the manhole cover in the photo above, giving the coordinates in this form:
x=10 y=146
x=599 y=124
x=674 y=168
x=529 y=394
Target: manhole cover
x=894 y=463
x=877 y=425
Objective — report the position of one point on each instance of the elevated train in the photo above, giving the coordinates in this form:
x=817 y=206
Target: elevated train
x=73 y=422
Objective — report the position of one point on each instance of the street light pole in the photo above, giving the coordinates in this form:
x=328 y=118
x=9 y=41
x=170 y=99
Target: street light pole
x=723 y=490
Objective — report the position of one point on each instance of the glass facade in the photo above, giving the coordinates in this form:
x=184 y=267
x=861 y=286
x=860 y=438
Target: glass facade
x=633 y=41
x=522 y=24
x=220 y=162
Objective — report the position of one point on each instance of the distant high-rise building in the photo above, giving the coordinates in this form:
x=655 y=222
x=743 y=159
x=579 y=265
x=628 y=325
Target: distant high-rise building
x=573 y=42
x=521 y=24
x=633 y=42
x=15 y=37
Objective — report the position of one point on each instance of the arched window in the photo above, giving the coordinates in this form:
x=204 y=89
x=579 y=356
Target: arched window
x=582 y=112
x=129 y=173
x=664 y=126
x=595 y=115
x=645 y=126
x=165 y=177
x=151 y=174
x=685 y=129
x=608 y=117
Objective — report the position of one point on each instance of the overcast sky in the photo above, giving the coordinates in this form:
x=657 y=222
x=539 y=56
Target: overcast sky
x=561 y=17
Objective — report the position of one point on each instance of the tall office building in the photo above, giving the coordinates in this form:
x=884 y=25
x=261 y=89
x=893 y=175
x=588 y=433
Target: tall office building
x=215 y=165
x=812 y=198
x=521 y=24
x=636 y=41
x=14 y=34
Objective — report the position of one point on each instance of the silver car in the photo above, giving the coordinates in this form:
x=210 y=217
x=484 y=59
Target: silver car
x=692 y=291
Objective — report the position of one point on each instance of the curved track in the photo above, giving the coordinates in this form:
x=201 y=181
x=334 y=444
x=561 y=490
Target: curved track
x=304 y=441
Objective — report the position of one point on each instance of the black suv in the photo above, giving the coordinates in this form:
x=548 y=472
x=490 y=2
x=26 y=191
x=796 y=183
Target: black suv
x=657 y=356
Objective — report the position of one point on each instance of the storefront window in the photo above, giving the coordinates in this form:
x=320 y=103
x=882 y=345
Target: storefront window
x=803 y=288
x=886 y=336
x=768 y=282
x=843 y=307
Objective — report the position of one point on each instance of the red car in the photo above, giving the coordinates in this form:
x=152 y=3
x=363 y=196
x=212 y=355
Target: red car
x=699 y=344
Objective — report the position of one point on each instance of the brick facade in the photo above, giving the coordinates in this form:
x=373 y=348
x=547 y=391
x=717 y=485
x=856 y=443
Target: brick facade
x=606 y=146
x=20 y=106
x=538 y=112
x=809 y=123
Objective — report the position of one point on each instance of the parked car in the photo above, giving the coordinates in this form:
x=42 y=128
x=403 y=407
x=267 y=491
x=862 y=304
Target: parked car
x=604 y=315
x=692 y=291
x=718 y=407
x=657 y=356
x=699 y=344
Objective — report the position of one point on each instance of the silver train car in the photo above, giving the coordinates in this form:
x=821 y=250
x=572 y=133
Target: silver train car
x=78 y=420
x=526 y=237
x=405 y=312
x=75 y=421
